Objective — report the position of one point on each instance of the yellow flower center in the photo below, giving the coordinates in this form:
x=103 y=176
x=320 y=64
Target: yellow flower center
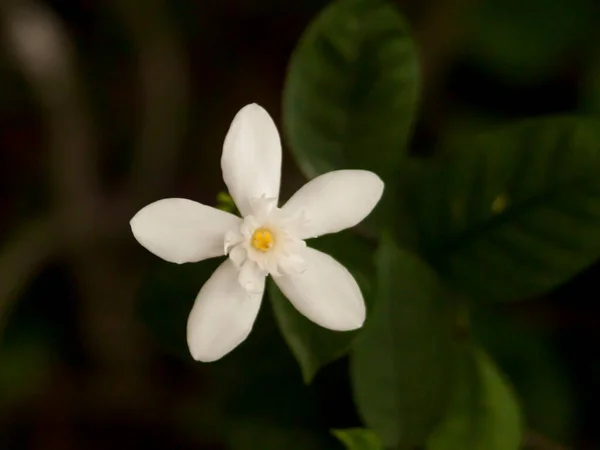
x=262 y=240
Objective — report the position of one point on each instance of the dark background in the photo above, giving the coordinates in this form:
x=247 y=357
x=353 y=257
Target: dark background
x=124 y=102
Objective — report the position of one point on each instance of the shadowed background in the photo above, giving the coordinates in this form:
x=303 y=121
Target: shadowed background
x=107 y=106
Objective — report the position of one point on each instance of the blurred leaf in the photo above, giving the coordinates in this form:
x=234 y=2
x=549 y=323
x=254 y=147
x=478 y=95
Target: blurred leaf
x=483 y=411
x=226 y=203
x=530 y=362
x=166 y=299
x=400 y=361
x=525 y=40
x=24 y=362
x=590 y=89
x=312 y=345
x=515 y=211
x=351 y=91
x=359 y=439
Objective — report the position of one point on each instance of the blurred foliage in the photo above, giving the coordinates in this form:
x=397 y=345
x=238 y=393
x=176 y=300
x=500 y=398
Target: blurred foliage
x=483 y=411
x=505 y=208
x=525 y=41
x=359 y=439
x=513 y=212
x=529 y=359
x=399 y=365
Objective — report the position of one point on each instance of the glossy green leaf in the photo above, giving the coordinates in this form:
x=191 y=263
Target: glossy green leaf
x=513 y=212
x=350 y=96
x=483 y=411
x=400 y=362
x=312 y=345
x=359 y=439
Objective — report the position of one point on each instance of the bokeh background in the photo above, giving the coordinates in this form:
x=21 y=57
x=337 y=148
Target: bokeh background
x=106 y=106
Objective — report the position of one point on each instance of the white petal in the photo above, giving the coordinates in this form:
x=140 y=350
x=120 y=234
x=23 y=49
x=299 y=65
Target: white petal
x=223 y=314
x=335 y=201
x=251 y=160
x=325 y=292
x=179 y=230
x=238 y=255
x=251 y=277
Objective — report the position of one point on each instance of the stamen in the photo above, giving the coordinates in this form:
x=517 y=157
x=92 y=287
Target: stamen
x=262 y=240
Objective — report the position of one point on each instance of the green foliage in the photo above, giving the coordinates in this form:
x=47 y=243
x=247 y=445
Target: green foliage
x=513 y=212
x=483 y=411
x=226 y=203
x=401 y=359
x=524 y=41
x=499 y=215
x=530 y=362
x=312 y=345
x=351 y=89
x=359 y=439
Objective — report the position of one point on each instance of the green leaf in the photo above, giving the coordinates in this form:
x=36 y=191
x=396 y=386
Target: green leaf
x=528 y=358
x=350 y=95
x=359 y=439
x=312 y=345
x=400 y=361
x=483 y=411
x=514 y=211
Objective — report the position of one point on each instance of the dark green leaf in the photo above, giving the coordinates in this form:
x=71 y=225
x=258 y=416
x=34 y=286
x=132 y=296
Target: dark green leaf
x=359 y=439
x=400 y=362
x=531 y=363
x=515 y=211
x=350 y=95
x=312 y=345
x=483 y=411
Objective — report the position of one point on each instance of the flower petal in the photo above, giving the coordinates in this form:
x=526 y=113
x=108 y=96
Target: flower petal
x=223 y=314
x=180 y=230
x=325 y=292
x=335 y=201
x=251 y=160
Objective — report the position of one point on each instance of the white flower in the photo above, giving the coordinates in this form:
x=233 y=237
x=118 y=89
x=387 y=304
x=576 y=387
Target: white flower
x=267 y=240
